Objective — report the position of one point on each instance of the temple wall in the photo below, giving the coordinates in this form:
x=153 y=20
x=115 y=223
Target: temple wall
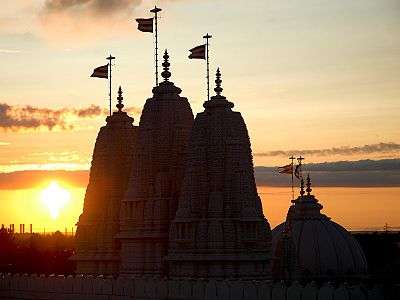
x=88 y=287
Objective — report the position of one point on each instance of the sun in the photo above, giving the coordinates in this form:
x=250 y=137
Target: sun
x=55 y=197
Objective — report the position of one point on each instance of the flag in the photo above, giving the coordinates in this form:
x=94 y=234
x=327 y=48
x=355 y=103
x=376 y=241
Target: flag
x=297 y=171
x=198 y=52
x=101 y=72
x=288 y=169
x=145 y=25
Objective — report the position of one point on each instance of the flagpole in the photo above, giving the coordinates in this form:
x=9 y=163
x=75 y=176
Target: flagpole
x=156 y=10
x=207 y=36
x=110 y=58
x=292 y=158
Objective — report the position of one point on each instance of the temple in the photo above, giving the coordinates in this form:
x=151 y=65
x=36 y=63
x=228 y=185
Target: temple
x=219 y=230
x=97 y=251
x=308 y=245
x=177 y=198
x=155 y=183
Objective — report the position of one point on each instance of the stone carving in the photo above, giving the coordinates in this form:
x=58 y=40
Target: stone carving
x=151 y=200
x=97 y=251
x=219 y=230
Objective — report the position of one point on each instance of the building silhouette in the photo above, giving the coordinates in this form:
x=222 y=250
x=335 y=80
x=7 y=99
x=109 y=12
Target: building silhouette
x=97 y=250
x=309 y=245
x=176 y=197
x=154 y=187
x=219 y=230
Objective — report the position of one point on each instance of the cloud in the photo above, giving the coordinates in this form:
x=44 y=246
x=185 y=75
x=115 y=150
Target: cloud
x=86 y=20
x=95 y=6
x=9 y=51
x=32 y=179
x=362 y=173
x=17 y=118
x=366 y=149
x=133 y=110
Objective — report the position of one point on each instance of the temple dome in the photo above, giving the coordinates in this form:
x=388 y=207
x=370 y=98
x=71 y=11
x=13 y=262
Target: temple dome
x=310 y=245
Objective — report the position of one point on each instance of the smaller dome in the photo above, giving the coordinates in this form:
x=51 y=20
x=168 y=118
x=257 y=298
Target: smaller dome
x=310 y=245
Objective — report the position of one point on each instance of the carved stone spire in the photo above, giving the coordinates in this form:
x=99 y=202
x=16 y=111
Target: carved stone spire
x=151 y=199
x=166 y=74
x=309 y=189
x=219 y=230
x=97 y=251
x=120 y=98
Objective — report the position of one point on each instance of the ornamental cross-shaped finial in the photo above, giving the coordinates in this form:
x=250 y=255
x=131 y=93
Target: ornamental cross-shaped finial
x=166 y=74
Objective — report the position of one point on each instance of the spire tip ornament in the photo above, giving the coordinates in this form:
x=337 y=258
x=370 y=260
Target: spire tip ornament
x=302 y=187
x=218 y=89
x=309 y=189
x=166 y=74
x=120 y=98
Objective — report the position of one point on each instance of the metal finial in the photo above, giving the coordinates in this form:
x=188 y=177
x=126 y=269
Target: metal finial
x=302 y=187
x=166 y=74
x=309 y=189
x=155 y=9
x=218 y=89
x=120 y=98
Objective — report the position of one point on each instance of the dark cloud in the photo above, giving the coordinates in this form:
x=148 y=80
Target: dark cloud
x=363 y=173
x=94 y=6
x=29 y=117
x=91 y=111
x=366 y=149
x=74 y=23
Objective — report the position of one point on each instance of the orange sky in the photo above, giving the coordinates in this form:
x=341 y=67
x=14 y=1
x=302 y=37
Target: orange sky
x=312 y=75
x=354 y=208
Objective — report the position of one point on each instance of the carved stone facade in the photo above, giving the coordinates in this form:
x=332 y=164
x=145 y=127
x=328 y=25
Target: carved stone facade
x=219 y=230
x=97 y=250
x=155 y=183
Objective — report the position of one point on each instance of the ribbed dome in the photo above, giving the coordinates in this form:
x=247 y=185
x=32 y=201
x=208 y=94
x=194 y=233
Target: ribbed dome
x=309 y=244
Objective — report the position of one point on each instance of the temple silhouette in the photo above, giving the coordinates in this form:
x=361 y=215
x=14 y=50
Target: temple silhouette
x=176 y=197
x=171 y=211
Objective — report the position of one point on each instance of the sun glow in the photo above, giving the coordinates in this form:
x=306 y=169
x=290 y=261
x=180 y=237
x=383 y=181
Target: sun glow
x=55 y=198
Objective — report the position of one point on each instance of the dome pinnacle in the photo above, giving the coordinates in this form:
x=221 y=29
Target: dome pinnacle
x=166 y=74
x=218 y=89
x=120 y=98
x=309 y=189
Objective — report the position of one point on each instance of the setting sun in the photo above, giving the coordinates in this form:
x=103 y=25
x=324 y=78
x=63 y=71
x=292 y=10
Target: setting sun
x=55 y=197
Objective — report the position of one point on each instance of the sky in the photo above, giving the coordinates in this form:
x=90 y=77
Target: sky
x=306 y=75
x=316 y=78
